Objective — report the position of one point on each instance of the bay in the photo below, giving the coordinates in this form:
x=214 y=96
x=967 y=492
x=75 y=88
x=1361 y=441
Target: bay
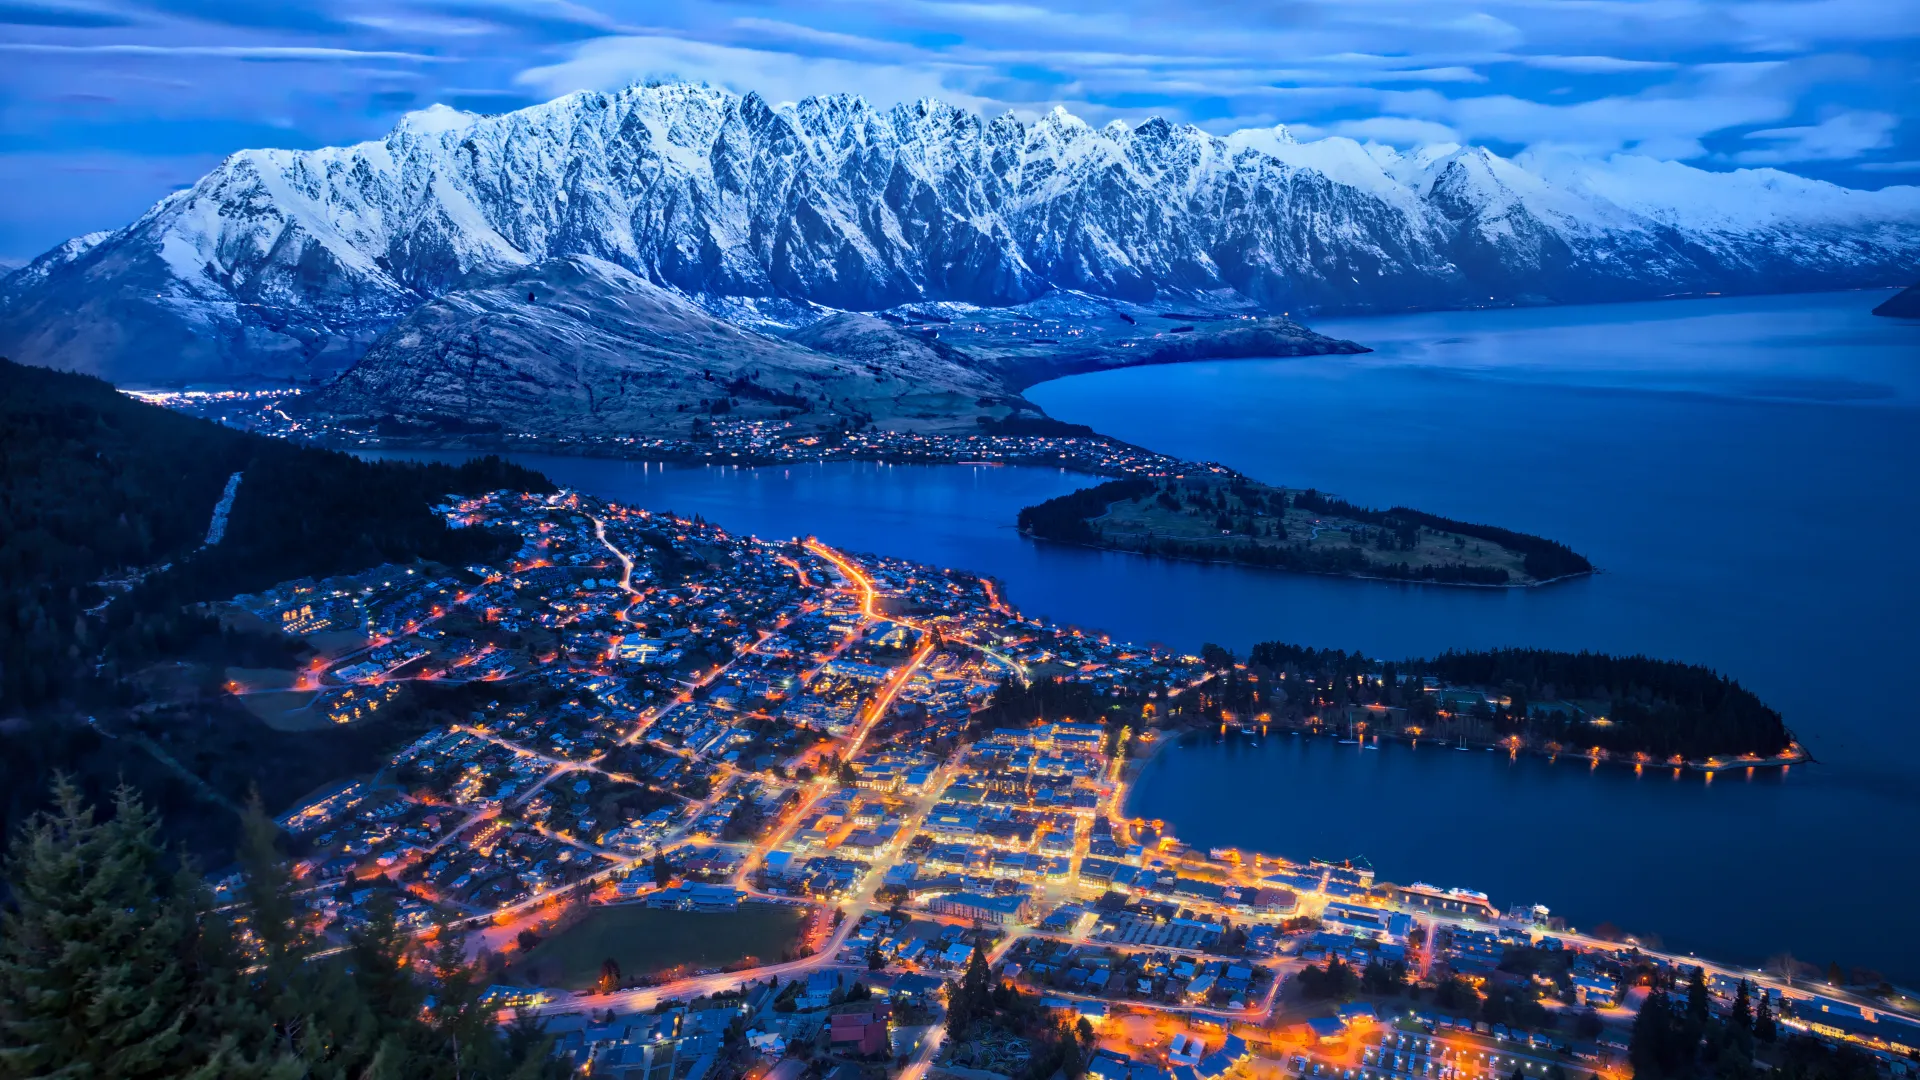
x=1741 y=469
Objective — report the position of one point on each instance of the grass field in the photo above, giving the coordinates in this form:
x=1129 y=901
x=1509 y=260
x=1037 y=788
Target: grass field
x=647 y=940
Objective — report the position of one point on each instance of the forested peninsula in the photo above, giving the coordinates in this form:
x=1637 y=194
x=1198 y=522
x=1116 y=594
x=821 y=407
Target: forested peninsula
x=1632 y=709
x=1225 y=517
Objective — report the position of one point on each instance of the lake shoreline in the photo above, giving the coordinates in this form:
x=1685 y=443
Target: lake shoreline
x=959 y=457
x=1242 y=564
x=1704 y=766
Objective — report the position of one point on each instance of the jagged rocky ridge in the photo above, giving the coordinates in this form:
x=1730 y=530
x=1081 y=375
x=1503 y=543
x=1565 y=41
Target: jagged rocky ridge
x=283 y=263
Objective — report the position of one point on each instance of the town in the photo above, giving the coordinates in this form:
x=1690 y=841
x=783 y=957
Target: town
x=728 y=806
x=715 y=440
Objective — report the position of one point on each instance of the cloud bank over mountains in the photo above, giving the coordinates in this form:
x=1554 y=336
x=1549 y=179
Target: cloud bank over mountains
x=113 y=102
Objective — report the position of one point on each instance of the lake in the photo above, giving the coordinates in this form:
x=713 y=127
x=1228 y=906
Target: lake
x=1743 y=471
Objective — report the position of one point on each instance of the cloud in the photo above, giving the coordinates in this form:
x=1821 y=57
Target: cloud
x=1838 y=137
x=1657 y=123
x=1595 y=65
x=612 y=62
x=19 y=13
x=425 y=25
x=1888 y=166
x=230 y=52
x=1396 y=131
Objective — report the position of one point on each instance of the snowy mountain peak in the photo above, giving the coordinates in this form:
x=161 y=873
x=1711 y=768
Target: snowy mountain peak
x=436 y=120
x=292 y=261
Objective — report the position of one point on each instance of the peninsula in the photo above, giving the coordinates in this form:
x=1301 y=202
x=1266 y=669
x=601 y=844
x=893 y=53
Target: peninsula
x=1221 y=516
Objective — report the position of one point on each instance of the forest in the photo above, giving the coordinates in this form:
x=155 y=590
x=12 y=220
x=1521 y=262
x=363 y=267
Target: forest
x=1660 y=708
x=1545 y=559
x=1244 y=522
x=106 y=504
x=1065 y=517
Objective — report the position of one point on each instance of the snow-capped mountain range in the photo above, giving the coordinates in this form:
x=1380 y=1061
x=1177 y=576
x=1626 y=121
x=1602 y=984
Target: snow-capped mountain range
x=284 y=262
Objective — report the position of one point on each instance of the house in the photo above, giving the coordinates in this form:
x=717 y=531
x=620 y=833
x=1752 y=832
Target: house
x=1186 y=1049
x=1326 y=1029
x=771 y=1043
x=1595 y=991
x=915 y=988
x=1358 y=1013
x=819 y=991
x=1232 y=1054
x=862 y=1032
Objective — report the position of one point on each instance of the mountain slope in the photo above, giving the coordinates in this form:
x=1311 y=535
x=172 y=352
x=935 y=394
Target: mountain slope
x=580 y=346
x=282 y=263
x=1904 y=304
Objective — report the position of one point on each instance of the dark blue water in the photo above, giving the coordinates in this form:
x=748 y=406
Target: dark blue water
x=1744 y=470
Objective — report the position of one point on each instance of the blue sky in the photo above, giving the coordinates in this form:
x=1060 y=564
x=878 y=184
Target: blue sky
x=106 y=105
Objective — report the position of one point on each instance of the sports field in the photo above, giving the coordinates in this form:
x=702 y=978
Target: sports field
x=644 y=940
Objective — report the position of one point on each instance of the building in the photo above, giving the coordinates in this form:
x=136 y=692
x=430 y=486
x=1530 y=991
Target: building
x=1186 y=1049
x=695 y=896
x=992 y=910
x=327 y=804
x=861 y=1032
x=1595 y=991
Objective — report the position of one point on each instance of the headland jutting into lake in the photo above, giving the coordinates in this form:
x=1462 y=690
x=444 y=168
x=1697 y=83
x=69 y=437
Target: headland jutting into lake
x=1160 y=505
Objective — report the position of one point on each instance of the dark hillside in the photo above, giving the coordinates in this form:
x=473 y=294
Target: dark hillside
x=105 y=504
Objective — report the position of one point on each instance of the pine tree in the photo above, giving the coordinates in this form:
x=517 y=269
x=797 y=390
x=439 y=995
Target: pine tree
x=1652 y=1032
x=111 y=969
x=1764 y=1027
x=958 y=1013
x=462 y=1027
x=1741 y=1016
x=1697 y=1000
x=282 y=987
x=976 y=985
x=96 y=975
